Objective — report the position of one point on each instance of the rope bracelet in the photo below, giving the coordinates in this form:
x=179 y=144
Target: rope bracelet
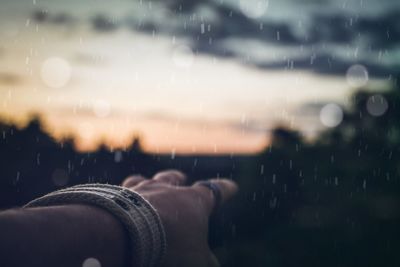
x=141 y=220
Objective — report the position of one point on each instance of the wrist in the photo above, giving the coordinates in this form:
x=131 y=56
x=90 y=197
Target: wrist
x=139 y=218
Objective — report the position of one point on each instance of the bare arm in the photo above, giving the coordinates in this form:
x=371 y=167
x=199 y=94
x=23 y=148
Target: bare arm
x=61 y=236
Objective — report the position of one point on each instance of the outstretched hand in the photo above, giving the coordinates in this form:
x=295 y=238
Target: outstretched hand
x=184 y=211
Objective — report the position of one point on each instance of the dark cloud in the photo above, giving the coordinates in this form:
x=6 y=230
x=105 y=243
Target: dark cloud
x=384 y=31
x=207 y=35
x=185 y=5
x=186 y=19
x=43 y=16
x=335 y=28
x=207 y=24
x=40 y=16
x=9 y=78
x=379 y=31
x=227 y=23
x=329 y=64
x=102 y=23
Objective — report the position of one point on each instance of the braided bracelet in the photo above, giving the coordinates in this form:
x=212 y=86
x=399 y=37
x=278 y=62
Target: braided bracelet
x=141 y=220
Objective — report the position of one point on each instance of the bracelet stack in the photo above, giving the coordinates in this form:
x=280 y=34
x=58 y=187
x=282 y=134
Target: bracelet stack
x=141 y=220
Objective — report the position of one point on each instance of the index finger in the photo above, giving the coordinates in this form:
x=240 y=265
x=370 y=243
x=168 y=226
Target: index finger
x=227 y=189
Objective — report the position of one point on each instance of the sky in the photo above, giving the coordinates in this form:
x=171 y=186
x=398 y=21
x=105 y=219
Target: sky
x=191 y=76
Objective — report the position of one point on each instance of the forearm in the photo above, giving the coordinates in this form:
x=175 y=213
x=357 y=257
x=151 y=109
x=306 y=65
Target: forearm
x=61 y=236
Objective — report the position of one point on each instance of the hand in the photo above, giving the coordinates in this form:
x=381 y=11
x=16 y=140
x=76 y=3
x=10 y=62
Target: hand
x=184 y=211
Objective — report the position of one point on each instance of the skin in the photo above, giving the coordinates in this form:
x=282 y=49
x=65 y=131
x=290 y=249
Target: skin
x=68 y=235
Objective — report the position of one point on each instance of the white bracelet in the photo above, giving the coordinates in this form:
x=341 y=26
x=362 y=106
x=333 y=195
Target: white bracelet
x=141 y=220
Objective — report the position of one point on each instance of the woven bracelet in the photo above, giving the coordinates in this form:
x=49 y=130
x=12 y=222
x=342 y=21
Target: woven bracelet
x=141 y=220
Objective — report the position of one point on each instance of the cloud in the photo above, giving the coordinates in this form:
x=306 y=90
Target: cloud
x=380 y=31
x=7 y=78
x=185 y=5
x=333 y=28
x=43 y=16
x=99 y=22
x=384 y=30
x=206 y=25
x=212 y=22
x=329 y=65
x=102 y=23
x=206 y=21
x=310 y=109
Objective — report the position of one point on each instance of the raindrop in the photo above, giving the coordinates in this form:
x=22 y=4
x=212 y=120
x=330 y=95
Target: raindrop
x=55 y=72
x=357 y=75
x=331 y=115
x=273 y=202
x=118 y=156
x=17 y=178
x=377 y=105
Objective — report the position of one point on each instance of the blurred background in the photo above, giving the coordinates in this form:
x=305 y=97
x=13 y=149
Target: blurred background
x=298 y=101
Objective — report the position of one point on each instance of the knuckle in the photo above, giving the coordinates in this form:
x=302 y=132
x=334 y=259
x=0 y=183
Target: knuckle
x=172 y=172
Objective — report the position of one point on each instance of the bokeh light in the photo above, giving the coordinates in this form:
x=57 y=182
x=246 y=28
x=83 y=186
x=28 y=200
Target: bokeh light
x=55 y=72
x=118 y=157
x=357 y=75
x=377 y=105
x=331 y=115
x=91 y=262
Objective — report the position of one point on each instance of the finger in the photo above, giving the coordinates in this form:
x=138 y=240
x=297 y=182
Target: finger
x=172 y=177
x=133 y=180
x=227 y=189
